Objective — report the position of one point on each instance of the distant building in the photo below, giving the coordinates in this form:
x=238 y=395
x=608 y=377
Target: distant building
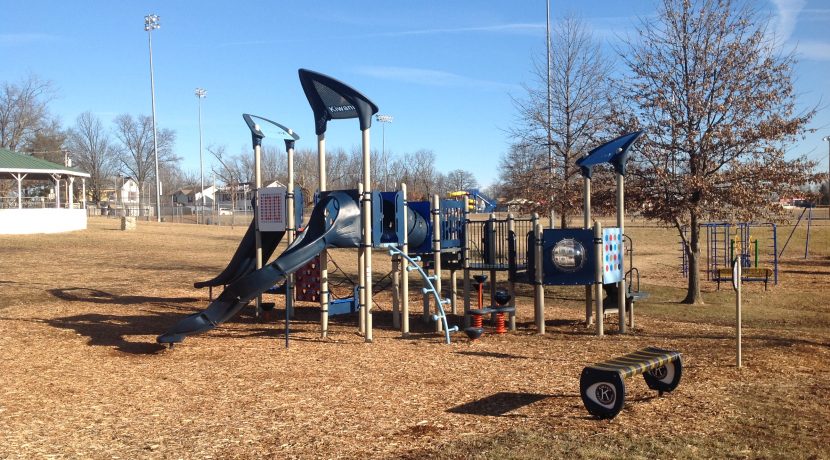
x=239 y=195
x=193 y=196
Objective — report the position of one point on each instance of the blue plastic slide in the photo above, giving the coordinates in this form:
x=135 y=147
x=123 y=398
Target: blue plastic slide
x=334 y=223
x=243 y=261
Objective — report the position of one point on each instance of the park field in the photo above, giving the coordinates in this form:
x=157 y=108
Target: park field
x=81 y=375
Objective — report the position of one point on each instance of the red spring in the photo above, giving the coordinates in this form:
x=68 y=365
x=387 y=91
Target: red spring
x=477 y=321
x=500 y=326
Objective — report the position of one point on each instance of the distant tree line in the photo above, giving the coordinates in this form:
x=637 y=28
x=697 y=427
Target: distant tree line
x=125 y=149
x=344 y=168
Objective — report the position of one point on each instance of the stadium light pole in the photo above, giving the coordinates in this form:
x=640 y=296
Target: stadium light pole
x=383 y=120
x=827 y=139
x=201 y=94
x=151 y=22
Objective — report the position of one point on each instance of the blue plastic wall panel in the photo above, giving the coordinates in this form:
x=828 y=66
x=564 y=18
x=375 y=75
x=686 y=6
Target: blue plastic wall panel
x=400 y=229
x=612 y=255
x=377 y=219
x=387 y=210
x=298 y=207
x=422 y=209
x=344 y=306
x=452 y=224
x=576 y=243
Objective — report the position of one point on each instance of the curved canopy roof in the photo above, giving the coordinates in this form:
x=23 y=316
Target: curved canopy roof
x=33 y=167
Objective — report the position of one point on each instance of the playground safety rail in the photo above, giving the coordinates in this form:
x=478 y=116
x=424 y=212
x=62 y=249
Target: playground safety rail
x=412 y=265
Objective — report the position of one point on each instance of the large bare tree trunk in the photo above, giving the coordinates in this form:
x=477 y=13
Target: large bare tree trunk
x=692 y=248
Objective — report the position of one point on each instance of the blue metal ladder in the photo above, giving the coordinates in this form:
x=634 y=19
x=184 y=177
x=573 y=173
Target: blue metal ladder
x=412 y=265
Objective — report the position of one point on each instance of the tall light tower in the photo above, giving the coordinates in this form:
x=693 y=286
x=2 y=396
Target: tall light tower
x=201 y=94
x=383 y=120
x=827 y=139
x=151 y=22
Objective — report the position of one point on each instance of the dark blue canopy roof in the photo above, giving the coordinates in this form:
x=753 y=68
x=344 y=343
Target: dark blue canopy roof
x=614 y=152
x=331 y=99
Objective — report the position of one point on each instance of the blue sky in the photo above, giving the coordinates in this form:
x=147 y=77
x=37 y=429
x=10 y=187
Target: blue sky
x=445 y=70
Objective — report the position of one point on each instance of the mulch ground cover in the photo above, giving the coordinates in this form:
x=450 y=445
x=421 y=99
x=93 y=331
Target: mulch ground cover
x=81 y=375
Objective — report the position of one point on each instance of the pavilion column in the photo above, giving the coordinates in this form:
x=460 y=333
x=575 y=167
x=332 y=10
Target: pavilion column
x=57 y=179
x=19 y=178
x=83 y=193
x=71 y=198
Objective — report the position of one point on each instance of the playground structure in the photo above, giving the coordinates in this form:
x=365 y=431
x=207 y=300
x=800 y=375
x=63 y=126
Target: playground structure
x=476 y=201
x=419 y=236
x=590 y=256
x=339 y=219
x=756 y=244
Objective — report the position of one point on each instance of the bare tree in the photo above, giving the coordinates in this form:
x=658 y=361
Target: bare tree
x=273 y=164
x=135 y=136
x=422 y=178
x=460 y=179
x=233 y=171
x=521 y=174
x=580 y=108
x=305 y=172
x=23 y=110
x=716 y=100
x=91 y=147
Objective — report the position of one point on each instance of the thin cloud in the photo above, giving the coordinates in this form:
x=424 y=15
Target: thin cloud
x=428 y=77
x=786 y=17
x=24 y=39
x=814 y=50
x=517 y=28
x=611 y=27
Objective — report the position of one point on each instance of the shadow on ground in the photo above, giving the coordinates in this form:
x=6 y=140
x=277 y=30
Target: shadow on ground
x=498 y=404
x=111 y=330
x=80 y=294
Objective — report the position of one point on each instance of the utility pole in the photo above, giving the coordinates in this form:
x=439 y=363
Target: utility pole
x=550 y=139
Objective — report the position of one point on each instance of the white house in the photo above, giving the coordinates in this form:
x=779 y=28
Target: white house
x=193 y=196
x=240 y=194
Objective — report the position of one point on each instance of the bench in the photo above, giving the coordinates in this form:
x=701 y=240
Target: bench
x=609 y=308
x=602 y=385
x=747 y=274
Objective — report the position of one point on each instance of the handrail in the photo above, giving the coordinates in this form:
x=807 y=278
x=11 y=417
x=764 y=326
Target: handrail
x=439 y=302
